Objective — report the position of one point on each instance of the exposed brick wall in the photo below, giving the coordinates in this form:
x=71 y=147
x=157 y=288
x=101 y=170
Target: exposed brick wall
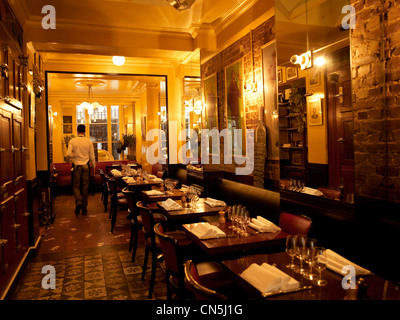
x=376 y=86
x=252 y=101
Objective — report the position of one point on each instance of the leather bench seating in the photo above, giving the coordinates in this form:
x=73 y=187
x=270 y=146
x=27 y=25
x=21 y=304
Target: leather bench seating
x=63 y=171
x=259 y=202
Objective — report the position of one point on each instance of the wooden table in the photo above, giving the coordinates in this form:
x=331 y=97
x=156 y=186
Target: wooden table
x=378 y=288
x=237 y=244
x=175 y=194
x=187 y=214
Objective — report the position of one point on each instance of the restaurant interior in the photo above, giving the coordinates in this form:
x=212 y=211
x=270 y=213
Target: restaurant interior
x=300 y=194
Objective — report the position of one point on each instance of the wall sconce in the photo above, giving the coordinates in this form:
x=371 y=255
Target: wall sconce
x=118 y=60
x=320 y=61
x=304 y=60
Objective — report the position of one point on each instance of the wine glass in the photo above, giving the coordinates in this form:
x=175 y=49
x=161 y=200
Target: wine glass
x=196 y=198
x=308 y=258
x=300 y=247
x=319 y=262
x=246 y=222
x=291 y=250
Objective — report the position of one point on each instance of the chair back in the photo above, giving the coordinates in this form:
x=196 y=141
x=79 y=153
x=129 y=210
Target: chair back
x=113 y=186
x=193 y=284
x=169 y=246
x=148 y=221
x=130 y=199
x=295 y=224
x=161 y=174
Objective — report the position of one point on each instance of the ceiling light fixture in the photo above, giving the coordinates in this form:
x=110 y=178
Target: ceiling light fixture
x=181 y=4
x=118 y=60
x=89 y=105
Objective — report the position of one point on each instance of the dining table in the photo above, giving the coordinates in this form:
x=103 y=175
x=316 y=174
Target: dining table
x=187 y=212
x=369 y=287
x=149 y=197
x=234 y=243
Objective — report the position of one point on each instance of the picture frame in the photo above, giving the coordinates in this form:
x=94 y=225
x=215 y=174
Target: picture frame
x=315 y=79
x=234 y=105
x=314 y=112
x=67 y=128
x=280 y=76
x=297 y=159
x=31 y=109
x=291 y=73
x=211 y=101
x=270 y=88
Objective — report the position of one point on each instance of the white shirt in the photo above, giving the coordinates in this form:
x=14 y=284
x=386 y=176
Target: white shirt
x=81 y=151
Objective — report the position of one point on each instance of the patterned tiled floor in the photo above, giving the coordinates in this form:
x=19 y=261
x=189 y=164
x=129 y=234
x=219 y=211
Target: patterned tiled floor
x=91 y=263
x=103 y=274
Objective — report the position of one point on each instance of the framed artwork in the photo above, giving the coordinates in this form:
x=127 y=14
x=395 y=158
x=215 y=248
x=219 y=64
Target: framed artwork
x=315 y=79
x=67 y=128
x=314 y=111
x=270 y=86
x=297 y=159
x=211 y=101
x=31 y=110
x=235 y=111
x=280 y=79
x=291 y=73
x=144 y=122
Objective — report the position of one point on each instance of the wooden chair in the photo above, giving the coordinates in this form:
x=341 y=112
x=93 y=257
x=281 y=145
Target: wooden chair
x=151 y=245
x=161 y=174
x=136 y=220
x=117 y=201
x=105 y=192
x=199 y=291
x=294 y=224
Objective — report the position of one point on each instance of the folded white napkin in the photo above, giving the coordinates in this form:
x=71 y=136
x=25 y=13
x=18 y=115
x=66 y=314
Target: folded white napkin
x=151 y=176
x=263 y=225
x=129 y=180
x=157 y=179
x=215 y=203
x=154 y=193
x=261 y=278
x=267 y=278
x=336 y=262
x=170 y=205
x=184 y=188
x=116 y=173
x=207 y=231
x=312 y=191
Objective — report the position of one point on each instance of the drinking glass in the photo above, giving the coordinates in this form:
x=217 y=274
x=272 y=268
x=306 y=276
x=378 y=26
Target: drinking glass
x=195 y=198
x=291 y=250
x=319 y=262
x=300 y=247
x=308 y=258
x=246 y=222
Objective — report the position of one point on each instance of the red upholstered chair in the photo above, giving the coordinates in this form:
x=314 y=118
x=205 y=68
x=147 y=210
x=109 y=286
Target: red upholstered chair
x=294 y=224
x=193 y=284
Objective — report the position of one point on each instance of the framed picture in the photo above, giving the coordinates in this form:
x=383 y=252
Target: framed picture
x=67 y=128
x=31 y=110
x=314 y=111
x=291 y=73
x=315 y=79
x=280 y=79
x=211 y=101
x=297 y=159
x=235 y=111
x=270 y=76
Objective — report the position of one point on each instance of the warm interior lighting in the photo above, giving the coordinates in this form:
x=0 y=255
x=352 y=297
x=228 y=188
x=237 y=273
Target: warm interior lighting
x=304 y=60
x=89 y=105
x=181 y=4
x=320 y=61
x=119 y=60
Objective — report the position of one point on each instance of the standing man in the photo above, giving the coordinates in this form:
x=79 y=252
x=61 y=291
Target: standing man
x=81 y=154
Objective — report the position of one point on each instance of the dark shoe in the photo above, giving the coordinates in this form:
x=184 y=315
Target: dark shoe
x=84 y=211
x=77 y=209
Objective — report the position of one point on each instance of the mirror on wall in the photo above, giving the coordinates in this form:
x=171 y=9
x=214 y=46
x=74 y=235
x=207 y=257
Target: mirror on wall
x=118 y=111
x=314 y=99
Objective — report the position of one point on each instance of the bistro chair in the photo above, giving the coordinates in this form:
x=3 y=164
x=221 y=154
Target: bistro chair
x=193 y=284
x=161 y=174
x=117 y=201
x=105 y=192
x=136 y=220
x=294 y=223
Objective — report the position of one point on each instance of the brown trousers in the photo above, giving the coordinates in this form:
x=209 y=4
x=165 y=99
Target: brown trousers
x=80 y=185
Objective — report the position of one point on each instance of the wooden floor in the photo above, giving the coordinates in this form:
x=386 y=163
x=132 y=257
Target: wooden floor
x=91 y=263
